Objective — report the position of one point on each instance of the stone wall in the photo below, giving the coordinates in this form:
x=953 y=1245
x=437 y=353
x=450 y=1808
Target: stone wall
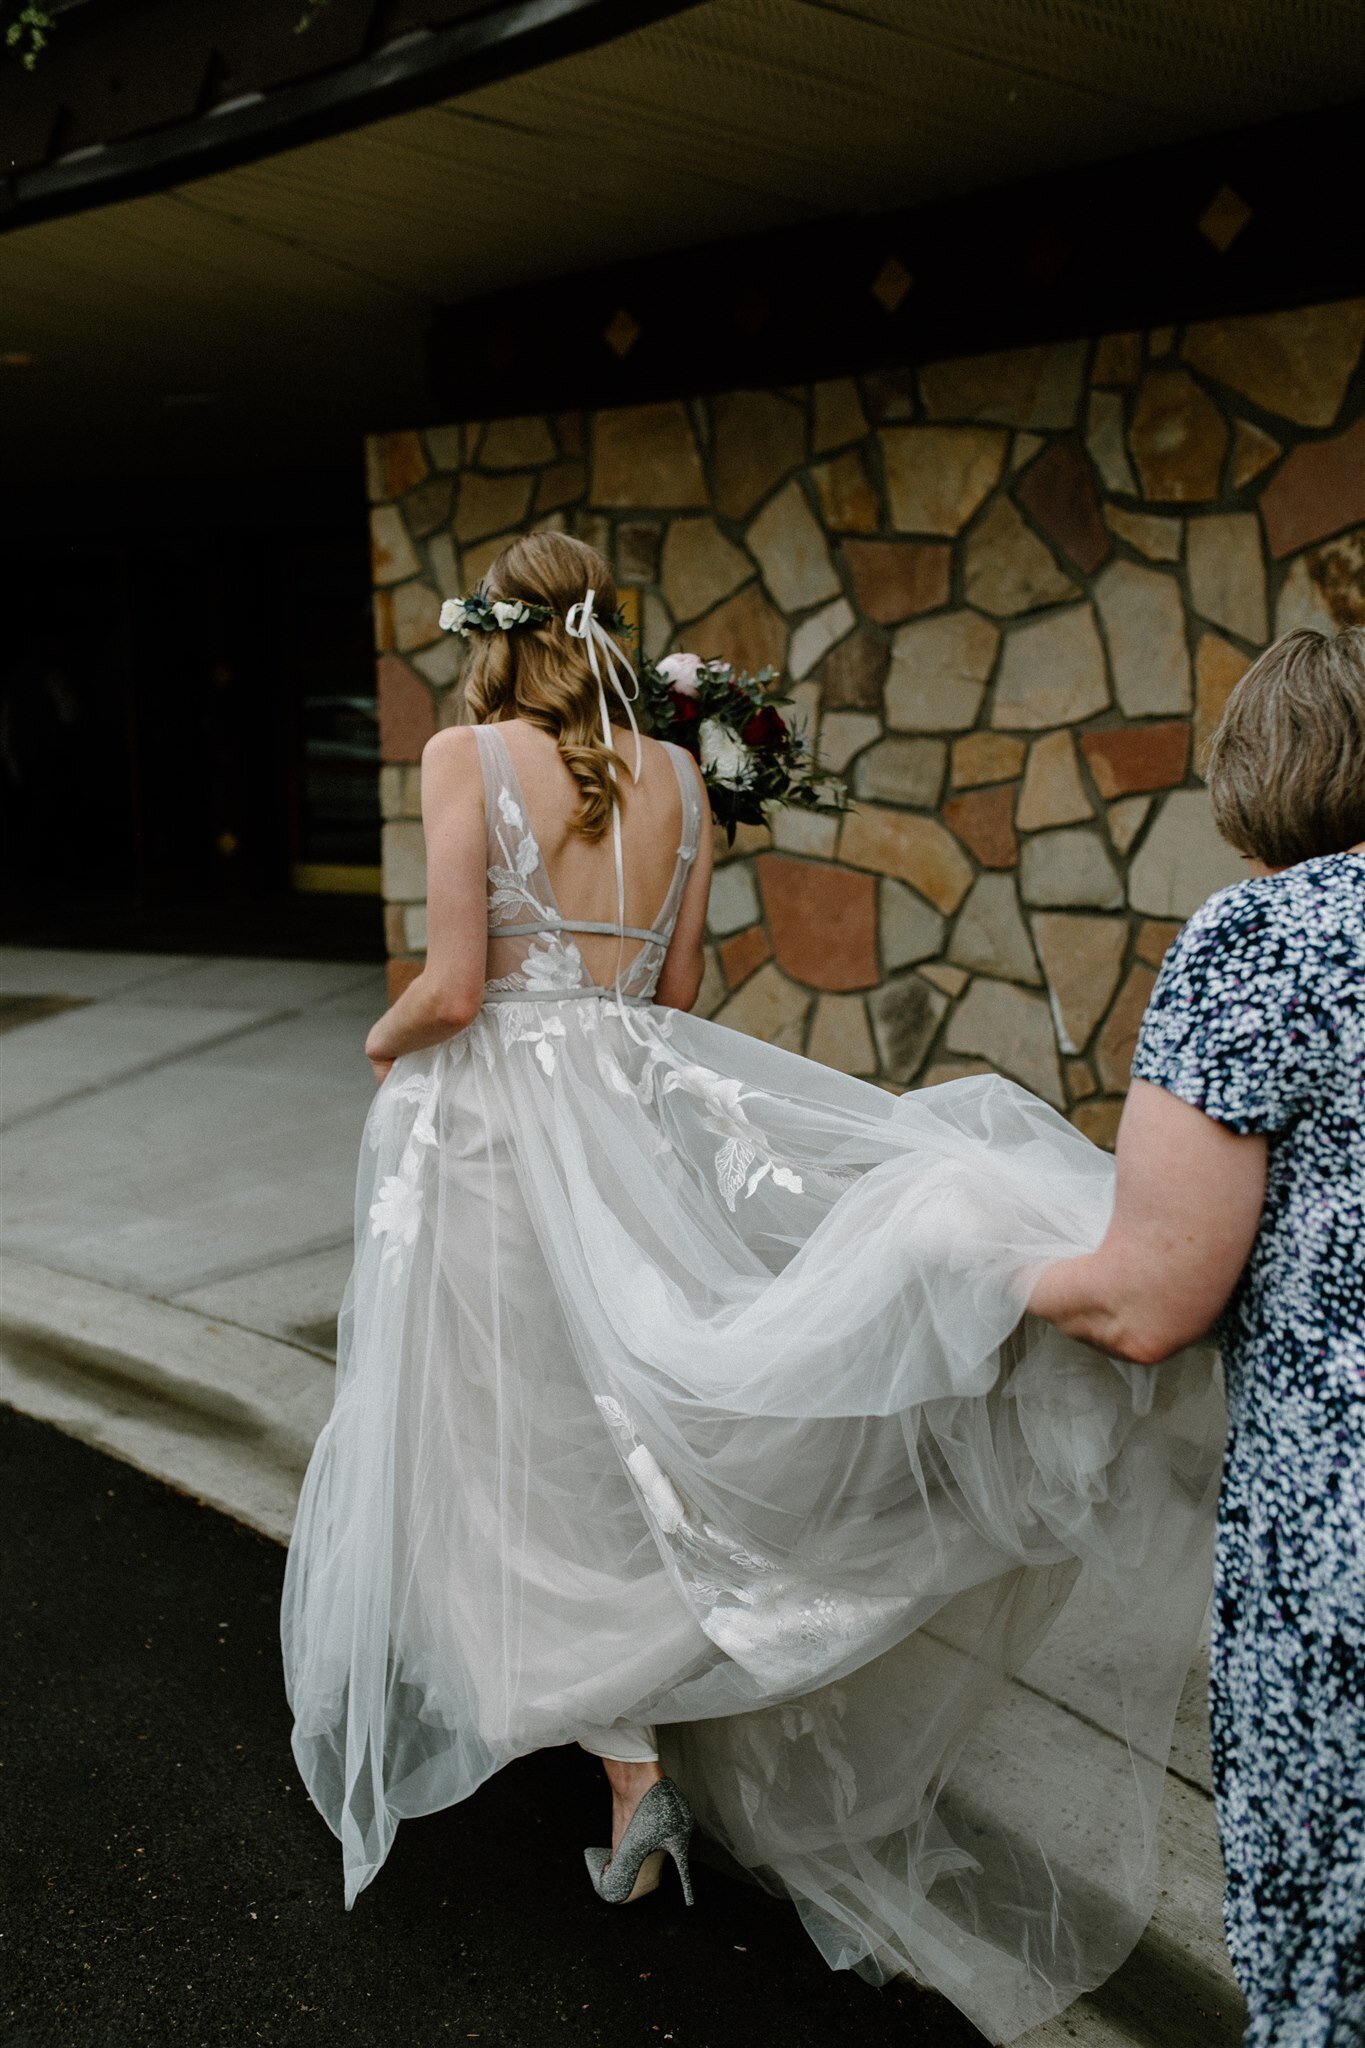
x=1011 y=592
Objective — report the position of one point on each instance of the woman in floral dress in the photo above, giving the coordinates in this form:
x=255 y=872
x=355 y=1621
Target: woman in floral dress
x=1241 y=1167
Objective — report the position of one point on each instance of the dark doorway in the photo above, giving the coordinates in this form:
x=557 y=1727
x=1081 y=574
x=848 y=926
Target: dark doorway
x=188 y=736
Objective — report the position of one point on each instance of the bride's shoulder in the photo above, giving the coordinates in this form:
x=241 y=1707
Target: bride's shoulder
x=450 y=763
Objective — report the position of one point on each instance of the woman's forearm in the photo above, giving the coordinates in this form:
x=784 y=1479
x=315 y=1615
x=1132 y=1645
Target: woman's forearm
x=1087 y=1299
x=423 y=1015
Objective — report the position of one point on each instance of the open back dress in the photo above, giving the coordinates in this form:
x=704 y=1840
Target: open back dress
x=683 y=1382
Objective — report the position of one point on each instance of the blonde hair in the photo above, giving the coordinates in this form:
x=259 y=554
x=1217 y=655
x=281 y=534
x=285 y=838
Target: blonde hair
x=1286 y=767
x=538 y=673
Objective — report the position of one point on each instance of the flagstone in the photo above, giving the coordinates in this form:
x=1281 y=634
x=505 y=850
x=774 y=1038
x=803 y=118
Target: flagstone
x=823 y=921
x=1177 y=437
x=1118 y=358
x=1069 y=869
x=982 y=757
x=1182 y=860
x=812 y=832
x=913 y=849
x=1226 y=572
x=1297 y=364
x=1052 y=672
x=990 y=936
x=816 y=635
x=428 y=506
x=1128 y=760
x=734 y=899
x=1052 y=793
x=1080 y=1079
x=1082 y=959
x=646 y=455
x=563 y=483
x=442 y=661
x=759 y=438
x=1153 y=534
x=1022 y=387
x=902 y=771
x=952 y=980
x=402 y=462
x=744 y=630
x=1253 y=450
x=1125 y=820
x=837 y=412
x=1058 y=493
x=983 y=820
x=742 y=952
x=490 y=504
x=403 y=852
x=847 y=498
x=699 y=567
x=908 y=928
x=898 y=579
x=1007 y=568
x=906 y=1013
x=938 y=672
x=392 y=554
x=855 y=671
x=842 y=735
x=407 y=716
x=522 y=443
x=1318 y=489
x=1012 y=1029
x=937 y=476
x=1099 y=1120
x=790 y=549
x=1154 y=939
x=445 y=446
x=1104 y=439
x=638 y=545
x=416 y=616
x=1144 y=622
x=1117 y=1041
x=841 y=1037
x=768 y=1007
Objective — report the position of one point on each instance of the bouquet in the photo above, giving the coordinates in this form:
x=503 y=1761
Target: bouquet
x=752 y=758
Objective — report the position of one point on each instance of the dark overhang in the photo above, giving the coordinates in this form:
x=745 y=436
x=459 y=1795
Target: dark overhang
x=132 y=96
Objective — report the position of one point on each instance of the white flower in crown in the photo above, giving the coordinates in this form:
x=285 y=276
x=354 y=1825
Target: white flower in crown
x=453 y=616
x=509 y=614
x=724 y=756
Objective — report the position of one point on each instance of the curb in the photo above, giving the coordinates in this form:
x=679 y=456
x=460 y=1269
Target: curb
x=230 y=1417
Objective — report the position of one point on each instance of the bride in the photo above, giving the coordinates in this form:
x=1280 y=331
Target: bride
x=685 y=1410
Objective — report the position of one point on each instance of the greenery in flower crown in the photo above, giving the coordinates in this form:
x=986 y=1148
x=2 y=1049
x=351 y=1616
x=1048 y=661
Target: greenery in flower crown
x=753 y=756
x=483 y=614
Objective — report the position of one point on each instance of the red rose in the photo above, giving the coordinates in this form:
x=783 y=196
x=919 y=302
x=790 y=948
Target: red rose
x=685 y=709
x=767 y=728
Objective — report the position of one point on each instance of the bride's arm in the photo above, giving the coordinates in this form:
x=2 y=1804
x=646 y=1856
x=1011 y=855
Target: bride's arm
x=1187 y=1204
x=680 y=976
x=447 y=993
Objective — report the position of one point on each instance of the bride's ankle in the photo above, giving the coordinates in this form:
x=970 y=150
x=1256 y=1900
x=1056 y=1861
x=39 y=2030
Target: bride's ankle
x=630 y=1782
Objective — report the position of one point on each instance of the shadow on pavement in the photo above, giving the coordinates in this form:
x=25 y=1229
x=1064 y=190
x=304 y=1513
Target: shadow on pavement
x=169 y=1882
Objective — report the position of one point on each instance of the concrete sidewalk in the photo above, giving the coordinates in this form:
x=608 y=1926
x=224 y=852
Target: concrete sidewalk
x=180 y=1141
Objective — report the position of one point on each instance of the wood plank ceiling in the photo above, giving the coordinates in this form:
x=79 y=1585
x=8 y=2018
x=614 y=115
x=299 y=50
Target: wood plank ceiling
x=262 y=316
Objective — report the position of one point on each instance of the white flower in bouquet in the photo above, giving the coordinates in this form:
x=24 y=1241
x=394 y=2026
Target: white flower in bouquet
x=680 y=671
x=452 y=615
x=724 y=756
x=509 y=613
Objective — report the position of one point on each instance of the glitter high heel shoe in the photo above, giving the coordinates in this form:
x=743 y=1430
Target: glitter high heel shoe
x=660 y=1825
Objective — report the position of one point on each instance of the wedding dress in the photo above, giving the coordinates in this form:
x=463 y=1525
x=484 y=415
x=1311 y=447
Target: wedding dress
x=683 y=1381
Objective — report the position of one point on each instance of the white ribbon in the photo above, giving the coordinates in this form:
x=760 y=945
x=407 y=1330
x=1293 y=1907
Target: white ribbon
x=581 y=623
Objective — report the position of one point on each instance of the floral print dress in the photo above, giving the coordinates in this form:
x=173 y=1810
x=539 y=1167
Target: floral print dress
x=1258 y=1019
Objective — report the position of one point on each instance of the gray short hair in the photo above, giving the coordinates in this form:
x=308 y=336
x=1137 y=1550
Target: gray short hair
x=1286 y=767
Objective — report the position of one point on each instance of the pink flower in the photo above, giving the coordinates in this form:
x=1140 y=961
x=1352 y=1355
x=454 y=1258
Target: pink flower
x=680 y=671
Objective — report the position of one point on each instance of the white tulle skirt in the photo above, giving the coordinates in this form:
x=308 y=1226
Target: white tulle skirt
x=683 y=1381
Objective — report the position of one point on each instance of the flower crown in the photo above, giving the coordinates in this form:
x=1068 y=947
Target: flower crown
x=482 y=614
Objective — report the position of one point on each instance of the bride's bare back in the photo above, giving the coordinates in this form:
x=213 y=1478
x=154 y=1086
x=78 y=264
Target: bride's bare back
x=583 y=872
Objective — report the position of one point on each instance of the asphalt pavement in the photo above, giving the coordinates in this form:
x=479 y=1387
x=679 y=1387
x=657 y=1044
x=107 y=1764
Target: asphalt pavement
x=167 y=1880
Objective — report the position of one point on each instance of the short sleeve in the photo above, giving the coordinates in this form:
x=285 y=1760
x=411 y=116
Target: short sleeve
x=1234 y=1026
